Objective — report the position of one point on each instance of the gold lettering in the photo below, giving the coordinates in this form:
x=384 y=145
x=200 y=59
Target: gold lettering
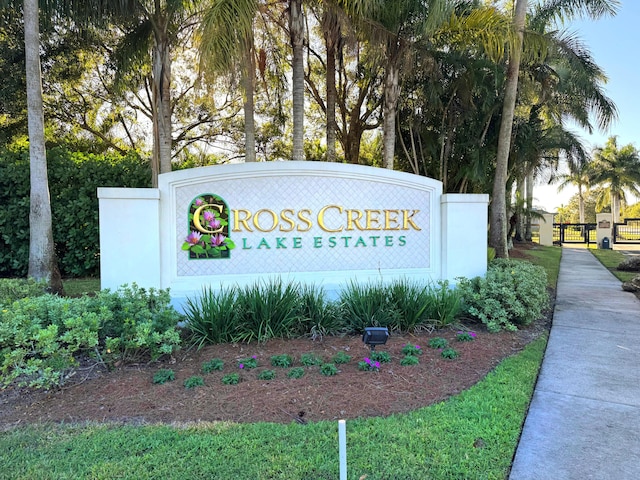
x=303 y=215
x=408 y=219
x=274 y=220
x=389 y=220
x=284 y=215
x=373 y=222
x=237 y=221
x=196 y=218
x=321 y=218
x=353 y=218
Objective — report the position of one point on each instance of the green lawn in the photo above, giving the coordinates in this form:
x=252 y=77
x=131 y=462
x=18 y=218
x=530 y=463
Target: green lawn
x=472 y=435
x=611 y=259
x=77 y=286
x=549 y=258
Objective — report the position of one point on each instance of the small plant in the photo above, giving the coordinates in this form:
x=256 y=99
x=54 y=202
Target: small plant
x=382 y=357
x=248 y=363
x=163 y=376
x=296 y=372
x=466 y=336
x=369 y=365
x=438 y=342
x=409 y=360
x=283 y=361
x=341 y=358
x=193 y=382
x=328 y=369
x=212 y=365
x=231 y=379
x=267 y=375
x=411 y=350
x=449 y=353
x=310 y=359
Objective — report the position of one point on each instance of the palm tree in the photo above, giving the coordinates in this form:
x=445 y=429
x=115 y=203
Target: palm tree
x=151 y=27
x=42 y=259
x=578 y=176
x=618 y=169
x=393 y=27
x=498 y=207
x=552 y=9
x=226 y=44
x=296 y=34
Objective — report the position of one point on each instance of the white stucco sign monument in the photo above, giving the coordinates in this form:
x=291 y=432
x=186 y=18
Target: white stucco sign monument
x=321 y=223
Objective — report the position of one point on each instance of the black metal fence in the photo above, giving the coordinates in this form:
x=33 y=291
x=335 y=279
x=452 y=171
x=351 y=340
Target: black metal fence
x=574 y=233
x=627 y=231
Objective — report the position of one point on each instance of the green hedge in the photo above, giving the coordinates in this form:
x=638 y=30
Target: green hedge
x=73 y=181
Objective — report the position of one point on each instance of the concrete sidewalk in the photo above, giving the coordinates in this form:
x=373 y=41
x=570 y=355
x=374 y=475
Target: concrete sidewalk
x=584 y=419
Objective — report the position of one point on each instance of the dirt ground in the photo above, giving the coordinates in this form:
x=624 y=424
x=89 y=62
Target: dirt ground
x=129 y=395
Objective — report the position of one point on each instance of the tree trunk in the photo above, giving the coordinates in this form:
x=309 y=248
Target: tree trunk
x=331 y=36
x=529 y=181
x=498 y=212
x=296 y=30
x=161 y=104
x=581 y=203
x=391 y=94
x=248 y=80
x=42 y=259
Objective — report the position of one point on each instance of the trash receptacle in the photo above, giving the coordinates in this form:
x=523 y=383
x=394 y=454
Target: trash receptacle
x=605 y=243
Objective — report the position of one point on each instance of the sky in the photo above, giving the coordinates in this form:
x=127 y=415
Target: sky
x=613 y=42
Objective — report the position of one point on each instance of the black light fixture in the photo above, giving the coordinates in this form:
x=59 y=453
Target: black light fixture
x=375 y=336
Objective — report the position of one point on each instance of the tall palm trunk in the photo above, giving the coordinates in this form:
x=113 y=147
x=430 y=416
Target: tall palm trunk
x=296 y=31
x=161 y=162
x=42 y=259
x=498 y=211
x=331 y=29
x=528 y=188
x=389 y=108
x=248 y=80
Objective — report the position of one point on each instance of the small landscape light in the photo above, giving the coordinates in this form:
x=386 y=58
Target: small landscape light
x=375 y=336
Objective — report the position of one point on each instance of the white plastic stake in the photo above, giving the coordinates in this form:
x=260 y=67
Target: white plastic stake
x=342 y=441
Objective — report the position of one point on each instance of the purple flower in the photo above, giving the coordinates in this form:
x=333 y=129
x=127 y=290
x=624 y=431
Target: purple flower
x=254 y=357
x=208 y=215
x=377 y=364
x=473 y=334
x=217 y=240
x=193 y=238
x=367 y=360
x=417 y=347
x=214 y=224
x=199 y=202
x=241 y=366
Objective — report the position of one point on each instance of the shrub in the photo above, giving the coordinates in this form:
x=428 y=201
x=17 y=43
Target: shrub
x=73 y=181
x=12 y=289
x=213 y=317
x=449 y=353
x=231 y=379
x=438 y=342
x=341 y=358
x=365 y=305
x=267 y=375
x=164 y=376
x=310 y=359
x=512 y=293
x=193 y=382
x=328 y=369
x=283 y=360
x=212 y=365
x=369 y=365
x=409 y=360
x=248 y=363
x=268 y=311
x=296 y=372
x=411 y=350
x=41 y=337
x=466 y=336
x=382 y=357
